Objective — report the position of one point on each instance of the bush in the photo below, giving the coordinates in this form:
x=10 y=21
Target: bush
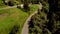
x=15 y=29
x=11 y=3
x=26 y=6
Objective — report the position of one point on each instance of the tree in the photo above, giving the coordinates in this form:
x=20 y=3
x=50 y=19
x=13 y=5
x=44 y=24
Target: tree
x=26 y=5
x=11 y=3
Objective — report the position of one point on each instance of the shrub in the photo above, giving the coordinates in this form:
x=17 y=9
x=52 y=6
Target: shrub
x=15 y=29
x=26 y=6
x=11 y=3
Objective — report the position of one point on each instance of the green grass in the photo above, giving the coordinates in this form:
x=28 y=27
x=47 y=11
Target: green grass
x=33 y=8
x=11 y=17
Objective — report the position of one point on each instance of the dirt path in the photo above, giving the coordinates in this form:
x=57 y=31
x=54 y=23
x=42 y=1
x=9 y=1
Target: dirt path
x=7 y=7
x=10 y=7
x=25 y=27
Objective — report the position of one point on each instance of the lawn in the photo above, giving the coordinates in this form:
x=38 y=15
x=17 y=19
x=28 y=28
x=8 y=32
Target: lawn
x=13 y=16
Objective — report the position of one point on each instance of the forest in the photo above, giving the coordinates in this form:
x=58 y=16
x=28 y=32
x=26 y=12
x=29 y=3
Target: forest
x=47 y=20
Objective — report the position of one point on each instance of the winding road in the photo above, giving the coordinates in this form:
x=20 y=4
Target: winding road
x=25 y=27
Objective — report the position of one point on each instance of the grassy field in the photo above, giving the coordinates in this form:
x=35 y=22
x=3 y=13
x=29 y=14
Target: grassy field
x=11 y=17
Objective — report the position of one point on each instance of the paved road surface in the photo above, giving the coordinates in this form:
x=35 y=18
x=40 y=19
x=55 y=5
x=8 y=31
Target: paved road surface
x=25 y=27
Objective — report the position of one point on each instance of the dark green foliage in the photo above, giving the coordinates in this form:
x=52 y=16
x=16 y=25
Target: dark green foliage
x=11 y=3
x=15 y=29
x=26 y=5
x=38 y=23
x=47 y=19
x=35 y=1
x=4 y=1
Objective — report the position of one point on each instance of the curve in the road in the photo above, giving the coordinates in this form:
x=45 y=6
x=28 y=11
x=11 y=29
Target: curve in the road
x=25 y=27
